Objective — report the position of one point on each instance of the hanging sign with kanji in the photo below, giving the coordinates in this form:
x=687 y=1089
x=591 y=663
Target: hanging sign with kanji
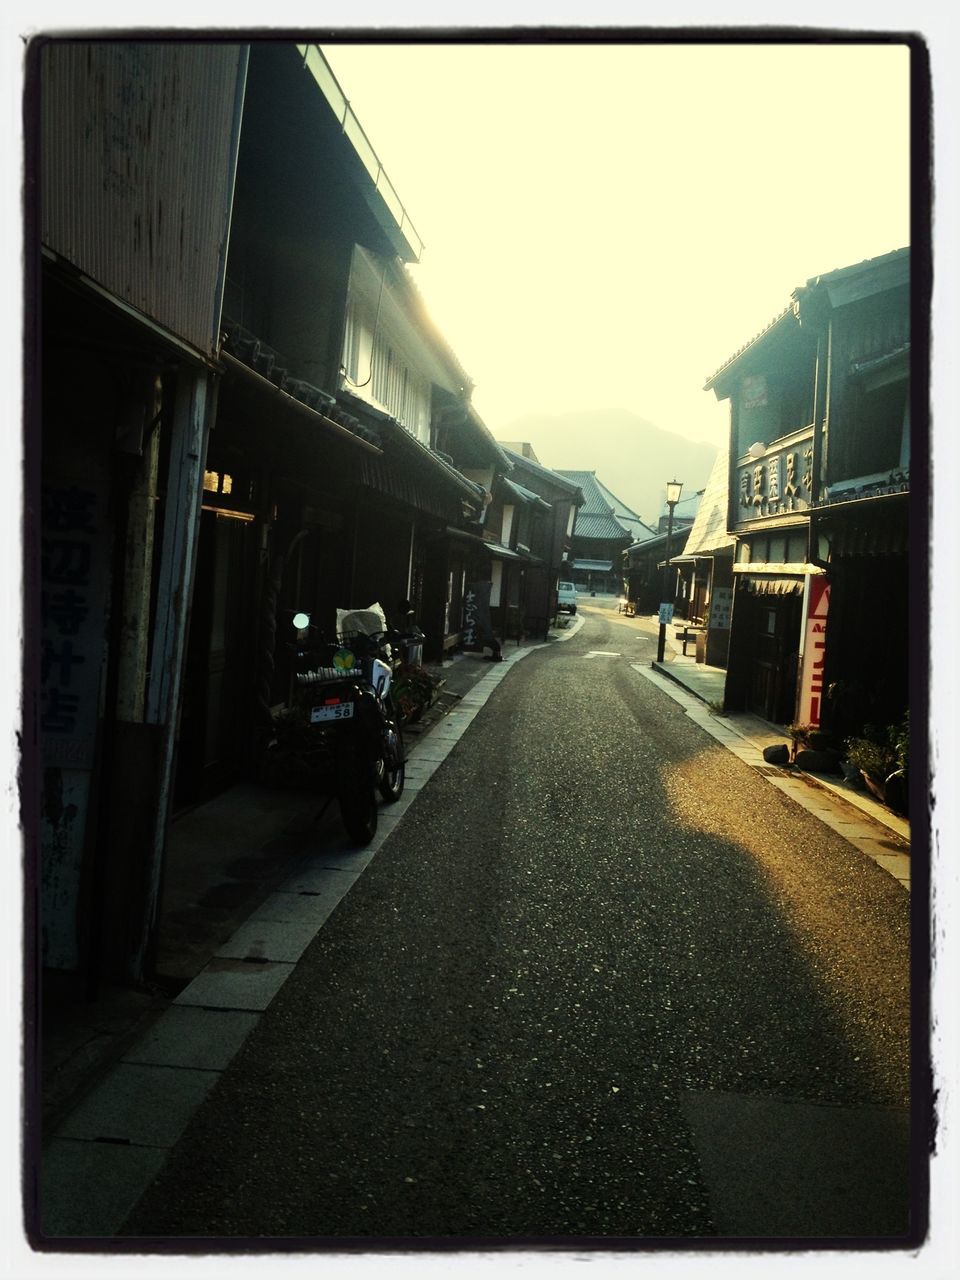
x=72 y=625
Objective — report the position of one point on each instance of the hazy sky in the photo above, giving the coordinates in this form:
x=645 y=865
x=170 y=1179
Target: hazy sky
x=605 y=226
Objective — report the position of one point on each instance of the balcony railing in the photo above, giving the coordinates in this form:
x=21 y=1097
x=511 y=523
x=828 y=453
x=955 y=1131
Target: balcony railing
x=329 y=86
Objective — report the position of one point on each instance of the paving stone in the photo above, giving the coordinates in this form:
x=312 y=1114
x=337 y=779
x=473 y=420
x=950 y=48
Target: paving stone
x=434 y=750
x=352 y=860
x=446 y=732
x=186 y=1037
x=88 y=1188
x=392 y=814
x=306 y=905
x=851 y=829
x=145 y=1105
x=284 y=940
x=417 y=781
x=897 y=864
x=235 y=984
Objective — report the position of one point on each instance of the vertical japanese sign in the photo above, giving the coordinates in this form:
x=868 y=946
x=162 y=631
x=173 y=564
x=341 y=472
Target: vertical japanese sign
x=72 y=582
x=814 y=647
x=476 y=614
x=720 y=607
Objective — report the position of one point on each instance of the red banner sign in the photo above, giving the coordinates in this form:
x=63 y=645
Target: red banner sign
x=815 y=639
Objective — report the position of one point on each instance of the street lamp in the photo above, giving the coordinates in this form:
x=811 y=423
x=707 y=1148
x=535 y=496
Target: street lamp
x=666 y=606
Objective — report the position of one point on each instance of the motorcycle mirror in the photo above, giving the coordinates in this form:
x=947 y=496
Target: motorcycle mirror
x=301 y=621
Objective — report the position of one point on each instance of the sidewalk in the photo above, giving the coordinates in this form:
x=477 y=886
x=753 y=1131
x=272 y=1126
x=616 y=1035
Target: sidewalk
x=867 y=824
x=250 y=877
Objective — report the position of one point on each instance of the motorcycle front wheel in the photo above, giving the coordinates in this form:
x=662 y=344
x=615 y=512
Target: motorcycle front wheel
x=390 y=778
x=356 y=793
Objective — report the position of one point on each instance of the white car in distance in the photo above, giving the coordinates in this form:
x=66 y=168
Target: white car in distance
x=566 y=598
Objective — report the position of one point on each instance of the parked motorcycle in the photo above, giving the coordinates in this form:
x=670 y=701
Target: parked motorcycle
x=344 y=706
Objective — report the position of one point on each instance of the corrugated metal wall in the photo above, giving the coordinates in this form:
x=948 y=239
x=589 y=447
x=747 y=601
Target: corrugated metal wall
x=137 y=164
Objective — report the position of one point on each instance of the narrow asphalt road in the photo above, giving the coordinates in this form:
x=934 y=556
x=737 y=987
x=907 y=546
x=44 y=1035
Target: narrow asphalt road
x=602 y=983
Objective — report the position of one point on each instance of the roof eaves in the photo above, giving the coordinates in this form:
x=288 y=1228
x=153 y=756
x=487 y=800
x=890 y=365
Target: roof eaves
x=520 y=462
x=867 y=264
x=525 y=495
x=411 y=443
x=777 y=322
x=503 y=455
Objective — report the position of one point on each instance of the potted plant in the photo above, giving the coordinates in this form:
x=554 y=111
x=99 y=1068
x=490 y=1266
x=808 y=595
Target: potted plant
x=896 y=789
x=414 y=691
x=881 y=756
x=799 y=734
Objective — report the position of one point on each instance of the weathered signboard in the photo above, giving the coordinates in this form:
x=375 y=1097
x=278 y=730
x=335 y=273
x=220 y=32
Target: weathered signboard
x=476 y=614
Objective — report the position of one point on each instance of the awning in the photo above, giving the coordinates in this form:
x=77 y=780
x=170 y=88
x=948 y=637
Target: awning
x=875 y=527
x=769 y=585
x=426 y=460
x=494 y=548
x=504 y=553
x=593 y=566
x=262 y=397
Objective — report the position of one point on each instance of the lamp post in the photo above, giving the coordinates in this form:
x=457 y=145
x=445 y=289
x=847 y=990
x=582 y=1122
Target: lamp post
x=666 y=606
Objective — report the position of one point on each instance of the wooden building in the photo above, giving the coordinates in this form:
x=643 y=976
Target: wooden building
x=705 y=568
x=245 y=411
x=134 y=152
x=552 y=533
x=606 y=526
x=819 y=479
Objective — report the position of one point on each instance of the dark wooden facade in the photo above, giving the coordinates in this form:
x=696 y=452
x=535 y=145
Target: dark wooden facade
x=818 y=503
x=227 y=482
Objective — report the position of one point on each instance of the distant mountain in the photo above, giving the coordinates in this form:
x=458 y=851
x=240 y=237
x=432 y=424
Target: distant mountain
x=631 y=456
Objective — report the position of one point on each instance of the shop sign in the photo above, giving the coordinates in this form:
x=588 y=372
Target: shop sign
x=778 y=483
x=476 y=614
x=720 y=606
x=72 y=572
x=814 y=647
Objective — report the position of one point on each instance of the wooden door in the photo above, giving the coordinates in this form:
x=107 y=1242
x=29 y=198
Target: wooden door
x=773 y=680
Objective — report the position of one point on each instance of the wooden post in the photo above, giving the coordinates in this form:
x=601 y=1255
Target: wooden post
x=194 y=407
x=138 y=561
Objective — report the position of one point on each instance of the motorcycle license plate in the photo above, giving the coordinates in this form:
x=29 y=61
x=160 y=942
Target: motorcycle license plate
x=336 y=711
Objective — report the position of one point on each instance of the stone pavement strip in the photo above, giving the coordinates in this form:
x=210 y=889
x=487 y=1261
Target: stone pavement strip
x=111 y=1147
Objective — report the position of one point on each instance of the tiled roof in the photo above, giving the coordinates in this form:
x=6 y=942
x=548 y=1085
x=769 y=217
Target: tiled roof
x=593 y=500
x=601 y=525
x=602 y=515
x=600 y=566
x=558 y=478
x=868 y=264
